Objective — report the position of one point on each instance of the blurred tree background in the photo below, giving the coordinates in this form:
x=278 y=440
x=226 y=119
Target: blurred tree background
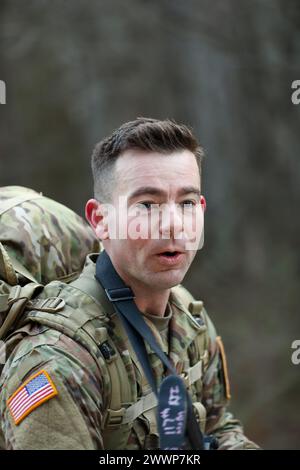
x=75 y=70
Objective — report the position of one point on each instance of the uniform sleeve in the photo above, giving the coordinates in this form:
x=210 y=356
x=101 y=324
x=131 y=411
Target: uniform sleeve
x=216 y=397
x=72 y=418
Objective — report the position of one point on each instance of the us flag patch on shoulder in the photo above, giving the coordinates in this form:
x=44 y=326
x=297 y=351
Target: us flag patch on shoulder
x=32 y=393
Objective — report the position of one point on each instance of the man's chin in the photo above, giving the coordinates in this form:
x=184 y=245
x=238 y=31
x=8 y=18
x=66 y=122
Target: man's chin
x=167 y=279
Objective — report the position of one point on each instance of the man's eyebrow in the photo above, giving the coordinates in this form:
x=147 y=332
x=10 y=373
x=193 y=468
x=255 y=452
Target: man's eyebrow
x=189 y=190
x=160 y=192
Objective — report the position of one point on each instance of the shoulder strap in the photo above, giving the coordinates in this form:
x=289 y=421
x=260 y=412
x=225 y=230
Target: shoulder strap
x=42 y=311
x=15 y=303
x=137 y=329
x=10 y=266
x=197 y=310
x=15 y=201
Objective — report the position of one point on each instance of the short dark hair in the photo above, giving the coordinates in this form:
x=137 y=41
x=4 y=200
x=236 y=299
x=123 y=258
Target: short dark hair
x=151 y=135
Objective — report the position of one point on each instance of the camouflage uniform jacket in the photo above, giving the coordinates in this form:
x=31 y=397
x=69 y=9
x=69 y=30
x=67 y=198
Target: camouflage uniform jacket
x=78 y=411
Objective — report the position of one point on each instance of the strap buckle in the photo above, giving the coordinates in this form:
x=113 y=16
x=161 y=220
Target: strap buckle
x=51 y=304
x=122 y=293
x=192 y=374
x=114 y=417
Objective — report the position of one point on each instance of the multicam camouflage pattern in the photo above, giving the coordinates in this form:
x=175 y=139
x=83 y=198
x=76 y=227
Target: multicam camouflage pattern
x=47 y=238
x=89 y=384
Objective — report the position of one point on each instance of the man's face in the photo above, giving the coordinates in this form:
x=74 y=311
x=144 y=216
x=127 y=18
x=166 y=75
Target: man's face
x=162 y=198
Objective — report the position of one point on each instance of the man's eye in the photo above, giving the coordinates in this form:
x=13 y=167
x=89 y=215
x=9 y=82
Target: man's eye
x=188 y=203
x=146 y=204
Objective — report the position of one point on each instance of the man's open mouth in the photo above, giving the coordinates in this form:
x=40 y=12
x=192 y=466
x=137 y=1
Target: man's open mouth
x=170 y=257
x=169 y=253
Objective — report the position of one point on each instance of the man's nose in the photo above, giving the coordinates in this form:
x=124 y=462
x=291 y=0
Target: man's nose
x=171 y=221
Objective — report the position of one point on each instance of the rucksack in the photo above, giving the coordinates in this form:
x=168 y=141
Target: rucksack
x=42 y=241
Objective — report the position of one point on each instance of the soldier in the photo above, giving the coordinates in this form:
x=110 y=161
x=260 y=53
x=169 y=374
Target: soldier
x=73 y=380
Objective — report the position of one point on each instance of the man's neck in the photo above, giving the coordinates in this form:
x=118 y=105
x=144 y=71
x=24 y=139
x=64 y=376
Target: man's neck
x=148 y=300
x=154 y=303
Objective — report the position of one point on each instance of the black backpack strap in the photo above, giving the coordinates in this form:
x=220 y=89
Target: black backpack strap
x=138 y=331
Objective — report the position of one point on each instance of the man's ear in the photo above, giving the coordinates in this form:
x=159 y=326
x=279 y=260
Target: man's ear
x=203 y=202
x=95 y=215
